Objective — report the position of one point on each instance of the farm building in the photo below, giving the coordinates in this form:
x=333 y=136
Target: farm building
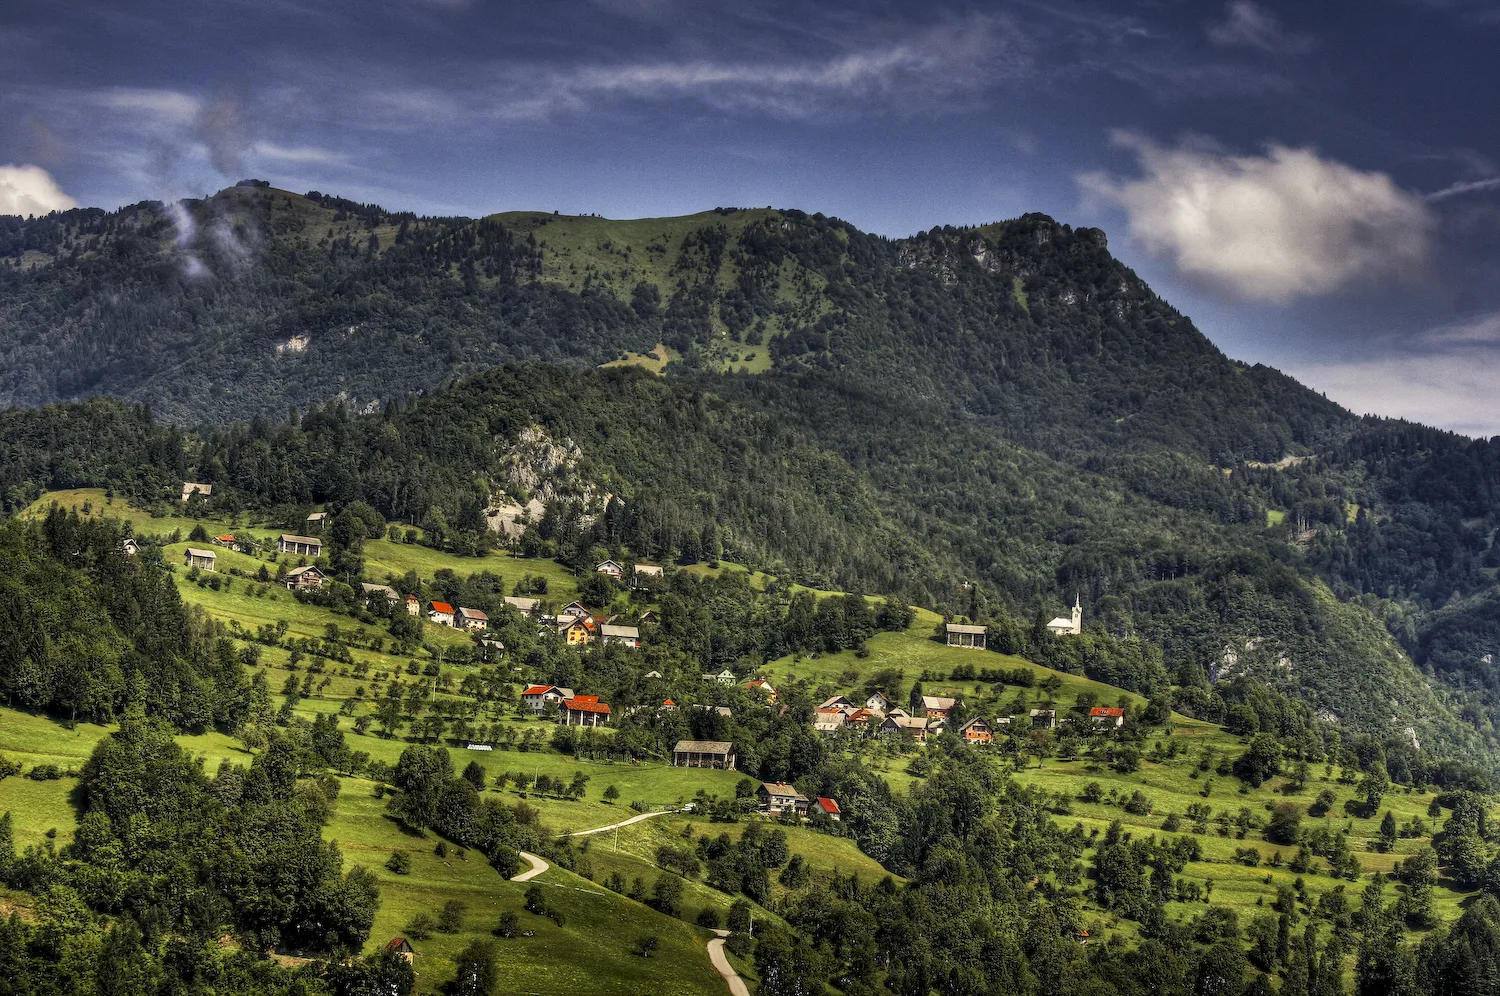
x=390 y=594
x=910 y=727
x=300 y=546
x=826 y=806
x=204 y=560
x=968 y=637
x=1043 y=719
x=441 y=614
x=977 y=731
x=526 y=606
x=937 y=706
x=583 y=710
x=703 y=754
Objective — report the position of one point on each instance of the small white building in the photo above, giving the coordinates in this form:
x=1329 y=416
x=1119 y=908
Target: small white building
x=610 y=569
x=300 y=546
x=1071 y=625
x=204 y=560
x=472 y=619
x=627 y=636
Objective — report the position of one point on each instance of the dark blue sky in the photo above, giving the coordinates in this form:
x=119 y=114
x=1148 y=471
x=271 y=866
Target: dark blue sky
x=1318 y=185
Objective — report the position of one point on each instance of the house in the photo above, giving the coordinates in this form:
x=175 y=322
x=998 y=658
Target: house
x=491 y=649
x=472 y=619
x=526 y=606
x=826 y=806
x=130 y=546
x=648 y=618
x=909 y=727
x=968 y=637
x=829 y=720
x=538 y=698
x=190 y=488
x=610 y=569
x=976 y=731
x=384 y=590
x=937 y=706
x=413 y=605
x=837 y=702
x=777 y=798
x=402 y=947
x=316 y=520
x=703 y=754
x=667 y=705
x=301 y=546
x=1107 y=716
x=763 y=686
x=627 y=636
x=572 y=609
x=202 y=559
x=724 y=677
x=583 y=710
x=577 y=630
x=225 y=540
x=897 y=711
x=1043 y=719
x=878 y=702
x=307 y=578
x=861 y=721
x=647 y=571
x=1069 y=626
x=440 y=613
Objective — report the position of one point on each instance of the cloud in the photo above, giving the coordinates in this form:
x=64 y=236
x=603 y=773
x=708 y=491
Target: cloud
x=1248 y=25
x=169 y=106
x=1272 y=227
x=29 y=190
x=220 y=126
x=1445 y=376
x=1465 y=187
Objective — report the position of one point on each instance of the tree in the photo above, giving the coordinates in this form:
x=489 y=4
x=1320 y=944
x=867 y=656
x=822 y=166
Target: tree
x=476 y=974
x=611 y=793
x=666 y=894
x=474 y=774
x=1388 y=831
x=1285 y=826
x=1261 y=760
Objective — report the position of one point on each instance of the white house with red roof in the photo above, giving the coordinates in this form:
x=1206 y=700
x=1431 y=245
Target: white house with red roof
x=441 y=613
x=826 y=806
x=539 y=698
x=1107 y=716
x=761 y=685
x=583 y=710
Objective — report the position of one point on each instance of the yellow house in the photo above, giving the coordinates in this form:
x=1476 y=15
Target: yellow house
x=578 y=630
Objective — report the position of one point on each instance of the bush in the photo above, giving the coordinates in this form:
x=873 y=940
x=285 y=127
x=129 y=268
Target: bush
x=708 y=917
x=420 y=927
x=739 y=944
x=400 y=863
x=1286 y=823
x=451 y=919
x=1138 y=804
x=509 y=926
x=645 y=946
x=44 y=773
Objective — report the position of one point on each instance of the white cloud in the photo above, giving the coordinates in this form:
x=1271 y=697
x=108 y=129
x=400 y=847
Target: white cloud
x=1272 y=227
x=170 y=106
x=1465 y=187
x=1248 y=25
x=28 y=190
x=293 y=153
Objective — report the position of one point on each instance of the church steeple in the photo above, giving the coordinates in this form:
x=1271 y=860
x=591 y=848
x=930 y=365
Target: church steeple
x=1077 y=614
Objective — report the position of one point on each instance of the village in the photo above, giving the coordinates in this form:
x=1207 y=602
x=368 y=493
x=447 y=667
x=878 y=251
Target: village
x=575 y=625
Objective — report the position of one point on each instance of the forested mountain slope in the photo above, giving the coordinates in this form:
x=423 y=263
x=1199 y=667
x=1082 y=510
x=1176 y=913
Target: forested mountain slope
x=987 y=420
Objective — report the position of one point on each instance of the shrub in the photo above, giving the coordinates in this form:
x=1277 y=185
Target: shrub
x=509 y=925
x=1138 y=804
x=45 y=773
x=1286 y=823
x=420 y=927
x=451 y=919
x=646 y=945
x=400 y=863
x=739 y=944
x=708 y=917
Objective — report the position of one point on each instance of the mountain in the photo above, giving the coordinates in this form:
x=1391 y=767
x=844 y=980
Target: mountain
x=986 y=420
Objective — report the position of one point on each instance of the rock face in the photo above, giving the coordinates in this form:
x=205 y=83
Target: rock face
x=534 y=469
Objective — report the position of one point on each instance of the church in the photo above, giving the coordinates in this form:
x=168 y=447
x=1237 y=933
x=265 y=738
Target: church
x=1068 y=626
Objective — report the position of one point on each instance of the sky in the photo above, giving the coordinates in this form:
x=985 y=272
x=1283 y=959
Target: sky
x=1317 y=185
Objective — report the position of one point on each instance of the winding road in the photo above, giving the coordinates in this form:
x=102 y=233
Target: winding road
x=721 y=965
x=537 y=867
x=716 y=955
x=616 y=826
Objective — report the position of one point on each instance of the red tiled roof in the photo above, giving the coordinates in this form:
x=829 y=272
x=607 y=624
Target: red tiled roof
x=668 y=702
x=858 y=716
x=442 y=607
x=1111 y=711
x=225 y=538
x=538 y=689
x=829 y=806
x=585 y=703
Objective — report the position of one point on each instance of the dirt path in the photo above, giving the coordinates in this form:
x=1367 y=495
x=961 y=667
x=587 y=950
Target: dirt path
x=537 y=867
x=721 y=965
x=623 y=823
